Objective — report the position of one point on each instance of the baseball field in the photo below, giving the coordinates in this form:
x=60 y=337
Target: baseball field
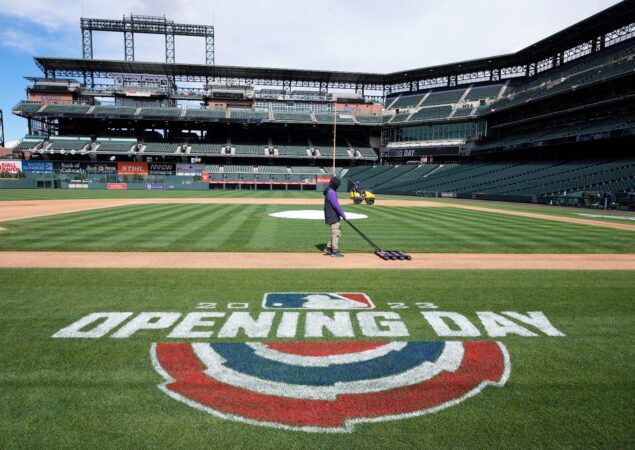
x=199 y=320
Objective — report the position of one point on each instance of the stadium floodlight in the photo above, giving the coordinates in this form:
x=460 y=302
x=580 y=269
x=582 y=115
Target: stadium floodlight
x=158 y=25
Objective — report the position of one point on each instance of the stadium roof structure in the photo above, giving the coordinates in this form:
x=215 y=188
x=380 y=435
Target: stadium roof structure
x=611 y=25
x=200 y=72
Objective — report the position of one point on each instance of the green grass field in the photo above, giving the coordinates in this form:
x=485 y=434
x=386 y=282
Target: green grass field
x=199 y=227
x=70 y=194
x=563 y=392
x=573 y=391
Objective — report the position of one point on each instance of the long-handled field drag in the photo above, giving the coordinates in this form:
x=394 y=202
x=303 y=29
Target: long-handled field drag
x=383 y=254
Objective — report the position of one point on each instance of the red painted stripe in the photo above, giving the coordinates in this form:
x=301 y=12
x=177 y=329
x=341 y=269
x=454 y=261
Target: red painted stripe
x=323 y=348
x=482 y=361
x=361 y=298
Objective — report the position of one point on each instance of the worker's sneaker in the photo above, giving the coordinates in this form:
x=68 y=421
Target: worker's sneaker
x=328 y=250
x=337 y=254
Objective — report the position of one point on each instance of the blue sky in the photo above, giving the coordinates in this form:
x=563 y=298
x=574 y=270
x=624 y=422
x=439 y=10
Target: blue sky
x=356 y=35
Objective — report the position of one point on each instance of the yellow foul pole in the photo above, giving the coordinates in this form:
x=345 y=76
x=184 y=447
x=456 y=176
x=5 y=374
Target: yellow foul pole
x=334 y=135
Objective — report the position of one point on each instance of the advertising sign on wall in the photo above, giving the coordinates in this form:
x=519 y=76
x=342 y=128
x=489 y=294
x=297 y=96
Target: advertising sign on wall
x=189 y=169
x=37 y=167
x=101 y=168
x=70 y=167
x=162 y=168
x=323 y=180
x=117 y=186
x=132 y=168
x=10 y=166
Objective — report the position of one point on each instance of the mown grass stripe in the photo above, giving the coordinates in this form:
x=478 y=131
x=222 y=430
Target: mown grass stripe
x=160 y=225
x=59 y=230
x=215 y=227
x=195 y=227
x=211 y=218
x=125 y=229
x=254 y=216
x=264 y=232
x=223 y=228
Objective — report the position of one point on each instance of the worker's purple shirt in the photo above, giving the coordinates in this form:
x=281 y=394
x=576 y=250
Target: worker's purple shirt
x=332 y=197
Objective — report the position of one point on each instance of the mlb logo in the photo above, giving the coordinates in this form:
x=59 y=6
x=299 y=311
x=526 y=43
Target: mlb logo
x=317 y=300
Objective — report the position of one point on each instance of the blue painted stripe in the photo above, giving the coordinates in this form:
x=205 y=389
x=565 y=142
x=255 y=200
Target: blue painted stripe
x=242 y=358
x=291 y=300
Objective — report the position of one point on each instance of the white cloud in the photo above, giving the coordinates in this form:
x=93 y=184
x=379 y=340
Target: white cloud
x=355 y=35
x=16 y=40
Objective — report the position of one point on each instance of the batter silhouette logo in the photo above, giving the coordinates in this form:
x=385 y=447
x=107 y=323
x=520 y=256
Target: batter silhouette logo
x=317 y=300
x=326 y=386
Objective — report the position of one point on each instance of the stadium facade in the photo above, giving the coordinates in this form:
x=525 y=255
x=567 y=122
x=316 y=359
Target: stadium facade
x=553 y=120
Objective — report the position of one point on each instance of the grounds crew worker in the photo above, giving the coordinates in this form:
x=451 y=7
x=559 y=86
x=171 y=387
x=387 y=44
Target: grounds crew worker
x=332 y=213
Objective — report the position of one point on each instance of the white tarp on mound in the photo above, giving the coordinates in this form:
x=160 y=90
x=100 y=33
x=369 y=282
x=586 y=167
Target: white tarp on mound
x=310 y=214
x=600 y=216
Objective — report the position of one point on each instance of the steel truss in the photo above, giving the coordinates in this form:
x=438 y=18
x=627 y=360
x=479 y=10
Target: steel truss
x=495 y=69
x=129 y=26
x=619 y=35
x=576 y=52
x=512 y=72
x=474 y=77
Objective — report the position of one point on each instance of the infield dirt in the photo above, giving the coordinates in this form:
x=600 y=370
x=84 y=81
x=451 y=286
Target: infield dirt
x=217 y=260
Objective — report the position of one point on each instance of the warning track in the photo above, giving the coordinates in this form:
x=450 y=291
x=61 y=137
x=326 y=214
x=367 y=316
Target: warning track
x=200 y=260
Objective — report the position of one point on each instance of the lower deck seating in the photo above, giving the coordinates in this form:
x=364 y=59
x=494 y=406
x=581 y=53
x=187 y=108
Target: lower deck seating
x=243 y=173
x=308 y=170
x=503 y=178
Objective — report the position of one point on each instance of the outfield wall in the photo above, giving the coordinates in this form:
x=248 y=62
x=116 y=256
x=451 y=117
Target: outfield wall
x=138 y=182
x=18 y=183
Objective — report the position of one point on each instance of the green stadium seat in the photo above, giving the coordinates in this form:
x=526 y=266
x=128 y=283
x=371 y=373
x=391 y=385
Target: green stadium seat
x=443 y=98
x=205 y=114
x=65 y=109
x=27 y=107
x=160 y=147
x=292 y=116
x=160 y=112
x=371 y=119
x=483 y=92
x=103 y=110
x=248 y=115
x=433 y=113
x=115 y=146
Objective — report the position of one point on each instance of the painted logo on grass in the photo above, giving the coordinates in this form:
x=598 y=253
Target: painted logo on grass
x=327 y=387
x=317 y=300
x=322 y=378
